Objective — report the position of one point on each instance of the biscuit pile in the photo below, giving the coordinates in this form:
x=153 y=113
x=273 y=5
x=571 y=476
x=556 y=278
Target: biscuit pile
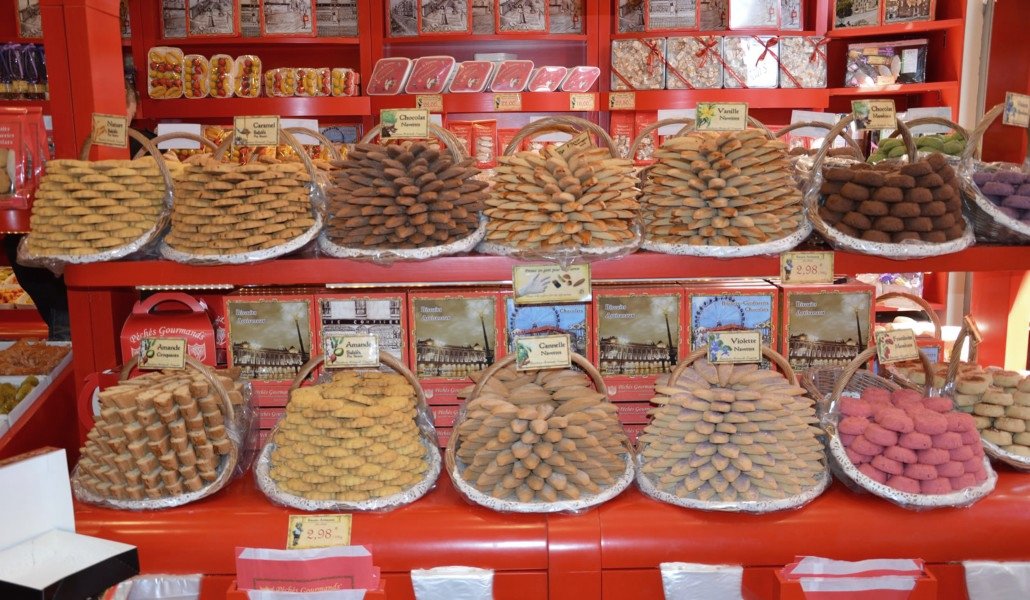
x=731 y=188
x=1002 y=410
x=1008 y=190
x=562 y=199
x=221 y=208
x=913 y=444
x=403 y=196
x=919 y=201
x=352 y=439
x=732 y=433
x=86 y=207
x=159 y=435
x=540 y=436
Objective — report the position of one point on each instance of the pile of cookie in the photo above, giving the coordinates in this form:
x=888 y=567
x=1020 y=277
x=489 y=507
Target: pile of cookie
x=352 y=439
x=405 y=195
x=159 y=435
x=83 y=208
x=731 y=188
x=887 y=203
x=539 y=437
x=223 y=208
x=731 y=433
x=1001 y=408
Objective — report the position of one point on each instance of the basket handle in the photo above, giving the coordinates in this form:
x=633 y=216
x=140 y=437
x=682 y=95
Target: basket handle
x=385 y=358
x=452 y=143
x=147 y=145
x=577 y=360
x=564 y=125
x=850 y=141
x=685 y=121
x=180 y=135
x=230 y=413
x=921 y=303
x=964 y=334
x=334 y=152
x=859 y=361
x=977 y=134
x=774 y=356
x=285 y=136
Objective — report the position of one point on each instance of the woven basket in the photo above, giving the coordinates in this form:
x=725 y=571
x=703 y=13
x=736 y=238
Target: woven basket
x=913 y=123
x=891 y=369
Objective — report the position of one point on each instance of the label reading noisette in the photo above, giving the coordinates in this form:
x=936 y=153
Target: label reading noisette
x=318 y=531
x=806 y=267
x=735 y=347
x=162 y=353
x=896 y=345
x=256 y=131
x=401 y=124
x=110 y=130
x=551 y=284
x=874 y=114
x=721 y=116
x=344 y=351
x=1017 y=110
x=543 y=352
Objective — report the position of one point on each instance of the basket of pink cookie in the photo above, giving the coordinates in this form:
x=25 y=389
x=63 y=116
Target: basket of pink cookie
x=905 y=446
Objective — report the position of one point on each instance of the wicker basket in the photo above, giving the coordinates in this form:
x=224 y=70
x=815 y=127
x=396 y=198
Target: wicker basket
x=455 y=466
x=648 y=487
x=891 y=369
x=424 y=421
x=912 y=124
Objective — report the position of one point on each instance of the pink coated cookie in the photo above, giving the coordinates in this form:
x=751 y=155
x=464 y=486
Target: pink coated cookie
x=973 y=465
x=936 y=486
x=915 y=441
x=948 y=441
x=906 y=396
x=862 y=445
x=857 y=458
x=847 y=439
x=961 y=454
x=930 y=423
x=872 y=394
x=951 y=469
x=933 y=456
x=978 y=449
x=960 y=422
x=901 y=455
x=921 y=472
x=880 y=436
x=962 y=482
x=940 y=404
x=912 y=408
x=894 y=419
x=904 y=484
x=891 y=467
x=873 y=473
x=980 y=476
x=855 y=407
x=970 y=437
x=853 y=425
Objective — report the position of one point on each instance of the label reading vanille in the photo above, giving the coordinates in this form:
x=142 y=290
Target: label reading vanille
x=735 y=347
x=721 y=116
x=543 y=352
x=551 y=284
x=806 y=267
x=110 y=130
x=346 y=351
x=508 y=102
x=874 y=114
x=256 y=131
x=896 y=345
x=318 y=531
x=162 y=353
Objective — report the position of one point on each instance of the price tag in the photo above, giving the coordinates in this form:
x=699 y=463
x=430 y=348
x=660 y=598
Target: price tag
x=162 y=353
x=874 y=114
x=430 y=102
x=735 y=347
x=318 y=531
x=721 y=116
x=582 y=102
x=551 y=284
x=580 y=142
x=543 y=352
x=110 y=130
x=404 y=124
x=806 y=267
x=896 y=345
x=507 y=102
x=1017 y=110
x=974 y=328
x=345 y=350
x=622 y=101
x=256 y=131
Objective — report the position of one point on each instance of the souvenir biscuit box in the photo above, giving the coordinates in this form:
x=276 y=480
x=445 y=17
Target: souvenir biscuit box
x=639 y=337
x=712 y=307
x=170 y=315
x=549 y=319
x=453 y=335
x=378 y=314
x=825 y=325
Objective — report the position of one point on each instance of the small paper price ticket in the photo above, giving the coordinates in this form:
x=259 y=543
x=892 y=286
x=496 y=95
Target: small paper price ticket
x=110 y=130
x=346 y=350
x=256 y=131
x=896 y=345
x=622 y=101
x=430 y=102
x=721 y=116
x=735 y=347
x=543 y=352
x=582 y=102
x=508 y=102
x=551 y=284
x=874 y=114
x=162 y=353
x=580 y=142
x=318 y=531
x=806 y=267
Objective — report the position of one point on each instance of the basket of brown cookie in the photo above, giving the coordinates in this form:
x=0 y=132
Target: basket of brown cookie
x=722 y=194
x=163 y=439
x=574 y=200
x=539 y=441
x=909 y=447
x=405 y=201
x=911 y=374
x=93 y=211
x=228 y=213
x=732 y=437
x=903 y=208
x=998 y=193
x=359 y=440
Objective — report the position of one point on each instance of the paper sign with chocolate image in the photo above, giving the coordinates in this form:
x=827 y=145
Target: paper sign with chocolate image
x=269 y=339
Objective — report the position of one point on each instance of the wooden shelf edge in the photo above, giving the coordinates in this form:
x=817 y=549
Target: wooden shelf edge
x=484 y=102
x=260 y=41
x=897 y=89
x=207 y=108
x=755 y=97
x=895 y=29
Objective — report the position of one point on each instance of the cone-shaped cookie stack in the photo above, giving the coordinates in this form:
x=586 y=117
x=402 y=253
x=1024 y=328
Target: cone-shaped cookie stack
x=732 y=433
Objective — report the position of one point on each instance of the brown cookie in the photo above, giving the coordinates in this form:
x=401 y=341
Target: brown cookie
x=873 y=208
x=830 y=216
x=956 y=231
x=918 y=195
x=944 y=221
x=936 y=237
x=944 y=192
x=830 y=187
x=846 y=229
x=933 y=209
x=873 y=179
x=920 y=224
x=840 y=174
x=931 y=181
x=856 y=220
x=917 y=169
x=876 y=236
x=937 y=161
x=889 y=224
x=838 y=203
x=954 y=204
x=904 y=182
x=855 y=192
x=947 y=173
x=902 y=236
x=905 y=209
x=889 y=194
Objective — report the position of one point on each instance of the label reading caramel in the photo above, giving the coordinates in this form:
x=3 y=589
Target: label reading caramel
x=256 y=131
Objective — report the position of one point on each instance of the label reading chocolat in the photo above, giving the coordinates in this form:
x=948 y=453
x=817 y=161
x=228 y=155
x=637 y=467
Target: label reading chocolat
x=398 y=124
x=874 y=114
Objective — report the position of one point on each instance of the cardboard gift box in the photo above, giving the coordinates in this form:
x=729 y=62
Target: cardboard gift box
x=41 y=556
x=825 y=325
x=856 y=13
x=379 y=314
x=170 y=315
x=549 y=319
x=711 y=307
x=886 y=63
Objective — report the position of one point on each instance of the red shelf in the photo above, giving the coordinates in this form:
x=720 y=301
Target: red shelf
x=756 y=98
x=260 y=41
x=14 y=220
x=44 y=104
x=483 y=102
x=899 y=89
x=207 y=108
x=513 y=37
x=636 y=35
x=896 y=29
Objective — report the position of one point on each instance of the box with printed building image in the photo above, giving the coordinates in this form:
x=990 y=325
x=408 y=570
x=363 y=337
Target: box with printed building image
x=381 y=315
x=825 y=325
x=549 y=319
x=730 y=305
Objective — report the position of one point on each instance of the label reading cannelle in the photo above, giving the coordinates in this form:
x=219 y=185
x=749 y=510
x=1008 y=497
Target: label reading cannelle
x=403 y=124
x=896 y=345
x=551 y=284
x=1017 y=110
x=622 y=101
x=256 y=131
x=110 y=130
x=508 y=102
x=735 y=347
x=721 y=116
x=581 y=142
x=582 y=102
x=345 y=350
x=162 y=353
x=318 y=531
x=543 y=352
x=874 y=114
x=430 y=102
x=806 y=267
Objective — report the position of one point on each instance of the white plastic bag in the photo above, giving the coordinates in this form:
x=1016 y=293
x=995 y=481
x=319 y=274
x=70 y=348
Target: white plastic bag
x=687 y=581
x=330 y=595
x=450 y=583
x=159 y=587
x=987 y=580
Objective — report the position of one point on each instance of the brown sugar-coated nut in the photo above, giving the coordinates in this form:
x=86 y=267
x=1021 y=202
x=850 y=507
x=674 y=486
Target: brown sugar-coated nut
x=905 y=209
x=918 y=195
x=932 y=180
x=861 y=167
x=947 y=173
x=944 y=221
x=873 y=208
x=830 y=216
x=920 y=224
x=857 y=220
x=830 y=187
x=847 y=230
x=931 y=209
x=917 y=169
x=936 y=237
x=902 y=236
x=876 y=236
x=839 y=203
x=955 y=231
x=889 y=194
x=944 y=192
x=889 y=224
x=840 y=174
x=855 y=192
x=954 y=204
x=937 y=161
x=872 y=179
x=902 y=181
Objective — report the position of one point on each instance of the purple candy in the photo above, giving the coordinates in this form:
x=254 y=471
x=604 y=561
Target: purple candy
x=1024 y=190
x=1018 y=202
x=1009 y=177
x=997 y=188
x=981 y=178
